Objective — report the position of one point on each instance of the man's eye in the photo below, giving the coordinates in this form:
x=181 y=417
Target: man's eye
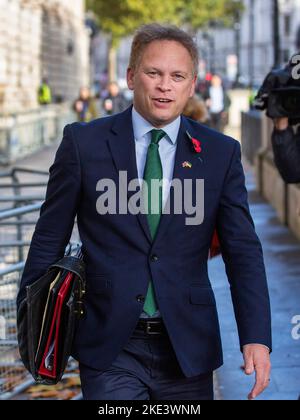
x=152 y=73
x=178 y=77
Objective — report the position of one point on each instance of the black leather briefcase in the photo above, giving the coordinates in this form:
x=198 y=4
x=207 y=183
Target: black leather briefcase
x=47 y=317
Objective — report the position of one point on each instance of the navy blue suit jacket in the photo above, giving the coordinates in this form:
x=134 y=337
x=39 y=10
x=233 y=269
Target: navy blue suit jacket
x=118 y=249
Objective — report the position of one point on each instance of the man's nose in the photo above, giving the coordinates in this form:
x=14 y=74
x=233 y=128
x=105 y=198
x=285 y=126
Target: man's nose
x=164 y=84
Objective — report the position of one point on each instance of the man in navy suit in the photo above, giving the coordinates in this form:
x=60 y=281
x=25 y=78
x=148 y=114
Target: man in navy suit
x=150 y=329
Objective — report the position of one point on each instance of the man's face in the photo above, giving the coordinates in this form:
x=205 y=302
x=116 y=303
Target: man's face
x=162 y=82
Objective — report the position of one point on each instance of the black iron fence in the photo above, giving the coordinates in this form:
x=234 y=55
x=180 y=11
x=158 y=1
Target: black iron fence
x=19 y=211
x=19 y=203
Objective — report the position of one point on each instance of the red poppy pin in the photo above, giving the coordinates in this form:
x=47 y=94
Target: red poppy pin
x=196 y=144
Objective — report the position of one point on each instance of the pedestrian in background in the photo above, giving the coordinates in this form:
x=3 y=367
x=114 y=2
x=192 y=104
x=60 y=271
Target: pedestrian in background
x=44 y=93
x=115 y=101
x=218 y=103
x=286 y=148
x=85 y=106
x=196 y=109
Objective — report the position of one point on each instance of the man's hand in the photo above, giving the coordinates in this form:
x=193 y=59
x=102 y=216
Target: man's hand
x=281 y=123
x=257 y=358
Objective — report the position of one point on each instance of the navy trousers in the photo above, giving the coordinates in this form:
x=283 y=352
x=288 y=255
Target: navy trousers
x=146 y=369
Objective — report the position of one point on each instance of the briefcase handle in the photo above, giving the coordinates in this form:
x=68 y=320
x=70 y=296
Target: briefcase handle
x=75 y=265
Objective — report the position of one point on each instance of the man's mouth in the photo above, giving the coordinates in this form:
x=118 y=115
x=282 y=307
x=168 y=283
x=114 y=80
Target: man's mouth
x=162 y=100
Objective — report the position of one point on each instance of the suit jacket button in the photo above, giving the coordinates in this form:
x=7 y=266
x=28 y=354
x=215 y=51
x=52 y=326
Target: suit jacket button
x=140 y=298
x=154 y=258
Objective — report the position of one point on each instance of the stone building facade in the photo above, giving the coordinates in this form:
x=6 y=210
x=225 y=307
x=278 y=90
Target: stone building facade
x=41 y=38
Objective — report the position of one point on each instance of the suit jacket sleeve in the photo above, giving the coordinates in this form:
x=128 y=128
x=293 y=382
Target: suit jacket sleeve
x=286 y=148
x=55 y=224
x=243 y=258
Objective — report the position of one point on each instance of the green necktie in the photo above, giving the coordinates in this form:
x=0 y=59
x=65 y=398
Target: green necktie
x=153 y=170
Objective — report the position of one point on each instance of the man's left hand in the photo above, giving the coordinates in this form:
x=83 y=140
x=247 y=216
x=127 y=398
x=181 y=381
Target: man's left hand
x=257 y=358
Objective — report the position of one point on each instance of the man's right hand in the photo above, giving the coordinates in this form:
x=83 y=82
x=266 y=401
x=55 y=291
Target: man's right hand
x=281 y=123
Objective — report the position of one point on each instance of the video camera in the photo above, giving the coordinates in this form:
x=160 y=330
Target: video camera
x=280 y=92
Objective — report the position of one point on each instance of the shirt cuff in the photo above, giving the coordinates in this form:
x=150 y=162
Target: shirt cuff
x=259 y=344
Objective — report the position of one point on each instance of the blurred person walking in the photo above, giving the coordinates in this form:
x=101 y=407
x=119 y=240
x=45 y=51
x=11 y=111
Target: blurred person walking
x=196 y=109
x=85 y=106
x=286 y=149
x=44 y=93
x=115 y=101
x=218 y=103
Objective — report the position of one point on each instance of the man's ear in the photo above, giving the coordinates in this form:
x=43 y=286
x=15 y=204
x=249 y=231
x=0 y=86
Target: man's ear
x=130 y=78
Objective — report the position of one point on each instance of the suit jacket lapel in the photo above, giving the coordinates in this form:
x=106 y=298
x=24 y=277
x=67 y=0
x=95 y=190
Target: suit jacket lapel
x=122 y=147
x=184 y=153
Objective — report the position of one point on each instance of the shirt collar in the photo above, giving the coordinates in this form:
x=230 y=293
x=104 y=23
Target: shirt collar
x=141 y=127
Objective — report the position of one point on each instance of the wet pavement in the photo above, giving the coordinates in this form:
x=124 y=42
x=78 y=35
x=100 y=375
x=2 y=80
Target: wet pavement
x=282 y=259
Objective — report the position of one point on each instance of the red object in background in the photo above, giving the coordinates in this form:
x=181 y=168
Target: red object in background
x=208 y=77
x=215 y=246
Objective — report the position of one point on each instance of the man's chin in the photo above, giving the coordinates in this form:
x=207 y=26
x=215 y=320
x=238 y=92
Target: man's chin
x=162 y=119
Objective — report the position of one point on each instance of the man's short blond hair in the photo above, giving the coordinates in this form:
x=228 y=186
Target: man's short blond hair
x=156 y=32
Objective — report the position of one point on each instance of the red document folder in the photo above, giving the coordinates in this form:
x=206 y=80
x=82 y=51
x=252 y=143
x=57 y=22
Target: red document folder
x=48 y=366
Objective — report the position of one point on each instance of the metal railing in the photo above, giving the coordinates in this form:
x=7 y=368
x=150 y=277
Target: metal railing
x=17 y=224
x=18 y=211
x=23 y=133
x=13 y=376
x=16 y=227
x=12 y=371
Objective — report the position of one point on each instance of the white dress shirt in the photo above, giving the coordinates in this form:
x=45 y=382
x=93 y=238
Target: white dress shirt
x=167 y=150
